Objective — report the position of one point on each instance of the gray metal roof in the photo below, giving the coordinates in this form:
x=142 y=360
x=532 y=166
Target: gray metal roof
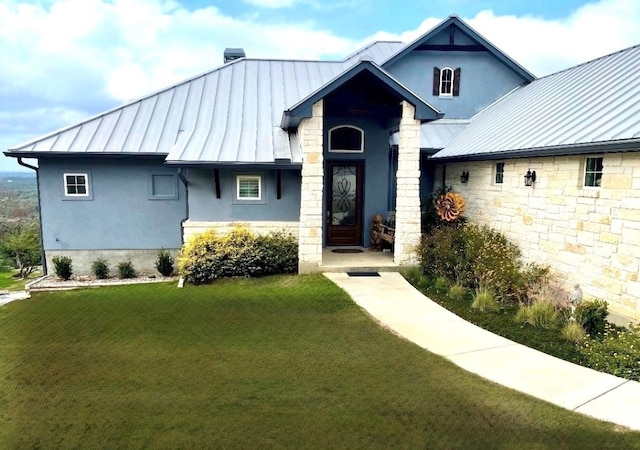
x=590 y=107
x=437 y=134
x=230 y=114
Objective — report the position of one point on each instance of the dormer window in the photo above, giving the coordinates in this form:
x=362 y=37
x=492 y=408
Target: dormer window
x=446 y=82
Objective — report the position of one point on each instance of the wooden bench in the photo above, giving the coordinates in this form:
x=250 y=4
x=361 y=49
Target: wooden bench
x=382 y=235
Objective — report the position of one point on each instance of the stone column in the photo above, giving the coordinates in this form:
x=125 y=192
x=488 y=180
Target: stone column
x=408 y=189
x=310 y=135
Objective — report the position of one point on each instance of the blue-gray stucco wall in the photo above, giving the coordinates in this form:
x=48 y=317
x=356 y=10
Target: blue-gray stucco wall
x=376 y=167
x=204 y=206
x=120 y=212
x=483 y=79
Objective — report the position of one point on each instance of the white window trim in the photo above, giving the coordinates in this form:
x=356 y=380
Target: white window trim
x=584 y=173
x=76 y=174
x=453 y=74
x=341 y=150
x=248 y=177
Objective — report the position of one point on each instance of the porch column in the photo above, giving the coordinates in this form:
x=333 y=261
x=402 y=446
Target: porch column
x=310 y=135
x=408 y=189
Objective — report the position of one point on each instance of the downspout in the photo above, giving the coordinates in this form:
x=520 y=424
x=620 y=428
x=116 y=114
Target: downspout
x=186 y=196
x=43 y=260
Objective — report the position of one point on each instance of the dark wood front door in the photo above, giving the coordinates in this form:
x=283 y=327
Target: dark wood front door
x=344 y=203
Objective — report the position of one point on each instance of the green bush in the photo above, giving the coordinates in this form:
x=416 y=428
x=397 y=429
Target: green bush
x=478 y=256
x=457 y=291
x=100 y=268
x=617 y=352
x=164 y=263
x=485 y=301
x=441 y=285
x=241 y=253
x=573 y=332
x=541 y=314
x=126 y=270
x=63 y=267
x=592 y=315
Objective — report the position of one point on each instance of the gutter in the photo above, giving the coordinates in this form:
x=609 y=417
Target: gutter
x=186 y=194
x=43 y=260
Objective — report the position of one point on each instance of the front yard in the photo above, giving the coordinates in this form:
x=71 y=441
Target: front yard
x=282 y=361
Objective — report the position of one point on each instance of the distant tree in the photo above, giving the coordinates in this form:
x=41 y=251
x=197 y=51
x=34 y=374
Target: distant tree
x=22 y=245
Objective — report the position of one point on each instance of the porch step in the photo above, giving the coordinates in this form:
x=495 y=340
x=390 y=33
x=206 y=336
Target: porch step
x=344 y=269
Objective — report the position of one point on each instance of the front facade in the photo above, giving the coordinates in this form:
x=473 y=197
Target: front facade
x=318 y=148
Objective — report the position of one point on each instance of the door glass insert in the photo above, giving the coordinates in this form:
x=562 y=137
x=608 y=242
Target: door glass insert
x=343 y=204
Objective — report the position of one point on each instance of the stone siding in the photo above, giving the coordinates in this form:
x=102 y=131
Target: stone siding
x=589 y=236
x=261 y=227
x=310 y=133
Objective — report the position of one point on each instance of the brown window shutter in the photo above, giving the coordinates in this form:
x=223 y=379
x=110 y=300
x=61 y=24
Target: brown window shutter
x=436 y=81
x=456 y=82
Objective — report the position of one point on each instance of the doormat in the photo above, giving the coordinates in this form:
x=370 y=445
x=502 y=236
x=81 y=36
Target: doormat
x=346 y=250
x=363 y=274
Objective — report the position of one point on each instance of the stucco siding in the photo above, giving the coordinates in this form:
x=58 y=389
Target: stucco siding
x=204 y=206
x=589 y=236
x=120 y=212
x=483 y=79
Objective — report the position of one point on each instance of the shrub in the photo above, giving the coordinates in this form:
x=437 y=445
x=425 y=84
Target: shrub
x=441 y=285
x=241 y=253
x=413 y=275
x=63 y=267
x=592 y=315
x=126 y=270
x=617 y=352
x=573 y=332
x=164 y=263
x=100 y=268
x=540 y=314
x=457 y=291
x=485 y=301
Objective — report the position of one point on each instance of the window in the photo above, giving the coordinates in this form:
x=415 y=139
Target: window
x=446 y=82
x=249 y=187
x=499 y=173
x=76 y=184
x=593 y=172
x=164 y=187
x=346 y=139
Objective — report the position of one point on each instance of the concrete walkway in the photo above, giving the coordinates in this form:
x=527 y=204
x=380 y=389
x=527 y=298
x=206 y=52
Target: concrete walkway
x=6 y=297
x=392 y=301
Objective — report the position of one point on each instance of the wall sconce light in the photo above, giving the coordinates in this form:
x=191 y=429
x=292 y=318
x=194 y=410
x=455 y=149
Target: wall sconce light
x=464 y=177
x=530 y=178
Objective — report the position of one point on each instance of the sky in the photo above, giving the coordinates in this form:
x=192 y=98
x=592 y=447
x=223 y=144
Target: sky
x=62 y=61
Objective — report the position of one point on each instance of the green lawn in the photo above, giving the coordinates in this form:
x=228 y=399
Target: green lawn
x=276 y=362
x=9 y=283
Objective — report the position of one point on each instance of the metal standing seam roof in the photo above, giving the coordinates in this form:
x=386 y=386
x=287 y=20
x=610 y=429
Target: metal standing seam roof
x=231 y=114
x=436 y=134
x=589 y=106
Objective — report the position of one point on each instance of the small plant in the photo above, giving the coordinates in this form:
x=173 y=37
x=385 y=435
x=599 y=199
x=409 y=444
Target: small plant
x=413 y=275
x=457 y=291
x=126 y=270
x=164 y=263
x=63 y=267
x=441 y=285
x=573 y=332
x=100 y=268
x=485 y=301
x=541 y=314
x=592 y=315
x=617 y=352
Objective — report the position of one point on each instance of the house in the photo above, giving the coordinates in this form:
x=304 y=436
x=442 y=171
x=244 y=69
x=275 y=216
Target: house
x=319 y=147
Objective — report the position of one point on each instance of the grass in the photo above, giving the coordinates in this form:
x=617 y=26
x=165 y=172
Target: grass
x=10 y=283
x=284 y=362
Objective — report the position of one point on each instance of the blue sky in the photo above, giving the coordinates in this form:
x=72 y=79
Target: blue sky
x=65 y=60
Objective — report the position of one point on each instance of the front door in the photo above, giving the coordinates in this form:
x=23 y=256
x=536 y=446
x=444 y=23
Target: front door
x=344 y=203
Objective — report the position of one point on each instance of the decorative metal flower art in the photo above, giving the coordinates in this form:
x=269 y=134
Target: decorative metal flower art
x=450 y=206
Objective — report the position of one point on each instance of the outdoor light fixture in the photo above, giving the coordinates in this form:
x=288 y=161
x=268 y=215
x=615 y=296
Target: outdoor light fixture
x=464 y=177
x=530 y=178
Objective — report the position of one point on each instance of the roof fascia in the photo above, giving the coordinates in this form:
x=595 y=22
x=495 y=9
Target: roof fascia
x=471 y=33
x=278 y=164
x=75 y=155
x=303 y=109
x=557 y=150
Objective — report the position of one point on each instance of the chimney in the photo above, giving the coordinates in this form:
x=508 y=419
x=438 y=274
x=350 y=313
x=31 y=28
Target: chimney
x=233 y=53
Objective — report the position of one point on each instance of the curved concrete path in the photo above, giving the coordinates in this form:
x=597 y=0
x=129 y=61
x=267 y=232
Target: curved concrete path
x=396 y=304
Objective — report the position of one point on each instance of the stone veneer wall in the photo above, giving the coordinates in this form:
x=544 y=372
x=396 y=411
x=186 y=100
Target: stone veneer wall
x=408 y=188
x=189 y=228
x=310 y=133
x=588 y=236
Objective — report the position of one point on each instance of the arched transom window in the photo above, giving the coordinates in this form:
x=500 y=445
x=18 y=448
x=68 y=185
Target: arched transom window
x=346 y=139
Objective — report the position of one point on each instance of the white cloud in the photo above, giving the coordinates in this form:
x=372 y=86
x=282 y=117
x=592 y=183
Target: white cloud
x=68 y=59
x=271 y=3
